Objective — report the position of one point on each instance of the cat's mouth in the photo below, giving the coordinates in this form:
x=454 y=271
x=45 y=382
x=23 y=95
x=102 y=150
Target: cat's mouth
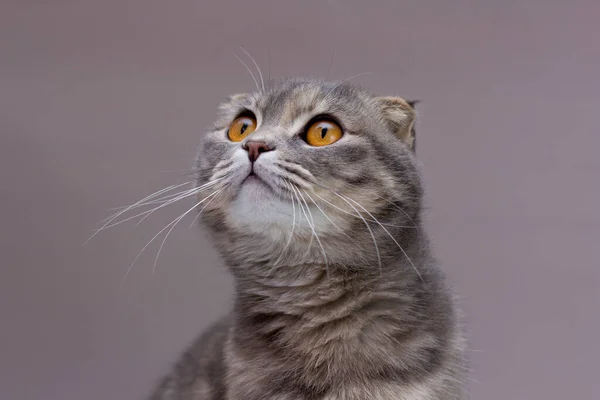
x=255 y=180
x=260 y=183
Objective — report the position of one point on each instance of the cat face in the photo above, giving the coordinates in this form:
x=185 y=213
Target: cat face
x=309 y=159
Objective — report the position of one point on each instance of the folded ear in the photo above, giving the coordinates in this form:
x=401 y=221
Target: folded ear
x=233 y=101
x=237 y=97
x=401 y=117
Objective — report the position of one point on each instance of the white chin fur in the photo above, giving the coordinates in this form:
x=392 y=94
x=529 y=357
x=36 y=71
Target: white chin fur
x=257 y=209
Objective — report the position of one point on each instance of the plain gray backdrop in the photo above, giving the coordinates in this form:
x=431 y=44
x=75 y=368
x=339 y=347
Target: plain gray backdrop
x=101 y=102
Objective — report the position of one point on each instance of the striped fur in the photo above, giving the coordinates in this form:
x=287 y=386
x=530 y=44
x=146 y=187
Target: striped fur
x=338 y=296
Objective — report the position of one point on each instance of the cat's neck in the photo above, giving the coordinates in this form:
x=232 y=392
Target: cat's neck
x=317 y=290
x=330 y=322
x=296 y=279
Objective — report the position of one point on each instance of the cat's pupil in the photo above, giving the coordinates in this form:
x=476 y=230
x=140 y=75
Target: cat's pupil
x=244 y=127
x=323 y=133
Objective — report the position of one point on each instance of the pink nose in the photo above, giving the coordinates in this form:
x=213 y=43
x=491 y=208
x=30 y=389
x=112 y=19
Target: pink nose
x=255 y=149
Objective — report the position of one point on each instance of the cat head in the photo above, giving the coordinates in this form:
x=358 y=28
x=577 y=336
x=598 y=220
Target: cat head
x=308 y=163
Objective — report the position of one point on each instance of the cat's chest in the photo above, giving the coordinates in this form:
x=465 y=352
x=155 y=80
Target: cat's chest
x=382 y=391
x=263 y=379
x=375 y=391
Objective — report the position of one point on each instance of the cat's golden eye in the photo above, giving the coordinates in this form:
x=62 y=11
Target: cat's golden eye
x=241 y=127
x=323 y=133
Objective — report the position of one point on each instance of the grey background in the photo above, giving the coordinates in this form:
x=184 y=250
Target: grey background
x=99 y=98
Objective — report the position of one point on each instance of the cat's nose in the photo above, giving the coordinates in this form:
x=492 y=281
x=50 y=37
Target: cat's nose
x=255 y=149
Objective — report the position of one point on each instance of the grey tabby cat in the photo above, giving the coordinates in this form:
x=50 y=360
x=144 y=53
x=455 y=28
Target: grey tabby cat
x=317 y=213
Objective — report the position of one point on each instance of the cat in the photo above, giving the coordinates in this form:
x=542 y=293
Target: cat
x=312 y=195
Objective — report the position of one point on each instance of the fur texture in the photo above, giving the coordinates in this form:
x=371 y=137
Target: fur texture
x=338 y=296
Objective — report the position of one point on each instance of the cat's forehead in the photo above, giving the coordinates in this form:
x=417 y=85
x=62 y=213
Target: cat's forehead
x=287 y=101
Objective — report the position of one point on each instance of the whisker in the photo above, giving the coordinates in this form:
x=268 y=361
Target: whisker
x=289 y=241
x=191 y=193
x=142 y=202
x=154 y=238
x=178 y=219
x=368 y=227
x=313 y=230
x=223 y=172
x=301 y=205
x=206 y=205
x=134 y=205
x=248 y=69
x=330 y=63
x=293 y=207
x=306 y=206
x=157 y=201
x=322 y=212
x=147 y=213
x=397 y=207
x=163 y=199
x=268 y=63
x=257 y=67
x=183 y=172
x=392 y=237
x=293 y=223
x=154 y=201
x=168 y=171
x=296 y=170
x=349 y=213
x=344 y=81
